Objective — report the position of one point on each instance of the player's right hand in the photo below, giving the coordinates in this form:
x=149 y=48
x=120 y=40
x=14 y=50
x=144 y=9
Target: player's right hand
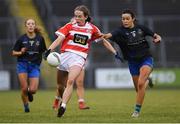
x=23 y=50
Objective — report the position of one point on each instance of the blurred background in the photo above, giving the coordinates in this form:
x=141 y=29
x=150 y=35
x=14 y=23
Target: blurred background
x=102 y=70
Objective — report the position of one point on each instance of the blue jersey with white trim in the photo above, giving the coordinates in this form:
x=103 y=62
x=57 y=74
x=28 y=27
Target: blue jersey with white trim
x=132 y=41
x=35 y=47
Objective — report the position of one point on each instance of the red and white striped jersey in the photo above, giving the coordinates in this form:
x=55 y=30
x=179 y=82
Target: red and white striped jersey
x=78 y=38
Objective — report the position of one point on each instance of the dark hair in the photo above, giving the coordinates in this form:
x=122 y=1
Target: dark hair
x=37 y=29
x=128 y=11
x=85 y=11
x=89 y=19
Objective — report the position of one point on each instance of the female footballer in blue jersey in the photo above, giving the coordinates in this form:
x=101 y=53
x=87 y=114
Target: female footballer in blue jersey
x=131 y=38
x=28 y=49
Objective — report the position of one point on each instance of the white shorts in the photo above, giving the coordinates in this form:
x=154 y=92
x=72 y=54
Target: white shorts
x=69 y=59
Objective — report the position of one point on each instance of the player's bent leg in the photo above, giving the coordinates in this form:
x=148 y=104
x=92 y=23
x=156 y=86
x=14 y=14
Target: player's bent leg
x=57 y=102
x=81 y=101
x=80 y=91
x=33 y=75
x=135 y=81
x=82 y=105
x=24 y=94
x=30 y=96
x=25 y=100
x=66 y=97
x=61 y=81
x=26 y=108
x=34 y=83
x=143 y=77
x=73 y=74
x=62 y=77
x=150 y=82
x=24 y=86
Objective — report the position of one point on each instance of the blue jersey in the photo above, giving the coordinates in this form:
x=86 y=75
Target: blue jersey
x=35 y=47
x=132 y=41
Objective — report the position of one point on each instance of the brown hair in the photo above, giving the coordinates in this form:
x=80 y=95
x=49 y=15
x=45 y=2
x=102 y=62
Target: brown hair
x=128 y=11
x=85 y=11
x=37 y=29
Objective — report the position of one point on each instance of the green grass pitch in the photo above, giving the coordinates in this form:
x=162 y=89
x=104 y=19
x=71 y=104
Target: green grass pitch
x=106 y=106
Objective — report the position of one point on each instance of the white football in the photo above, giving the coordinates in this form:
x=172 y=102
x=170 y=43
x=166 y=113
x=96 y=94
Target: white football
x=53 y=59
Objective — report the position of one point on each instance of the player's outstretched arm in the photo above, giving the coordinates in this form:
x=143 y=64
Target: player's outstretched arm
x=108 y=46
x=106 y=36
x=53 y=46
x=56 y=43
x=111 y=49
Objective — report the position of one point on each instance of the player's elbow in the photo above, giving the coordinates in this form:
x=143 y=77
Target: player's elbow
x=13 y=53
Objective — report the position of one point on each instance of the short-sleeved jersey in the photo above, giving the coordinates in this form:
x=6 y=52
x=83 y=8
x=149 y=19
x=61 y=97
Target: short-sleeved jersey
x=78 y=38
x=35 y=47
x=132 y=41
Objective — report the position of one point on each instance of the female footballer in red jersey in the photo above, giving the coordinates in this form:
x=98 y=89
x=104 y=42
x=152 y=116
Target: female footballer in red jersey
x=61 y=84
x=75 y=40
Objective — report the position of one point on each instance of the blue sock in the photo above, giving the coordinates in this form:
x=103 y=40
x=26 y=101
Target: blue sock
x=26 y=107
x=138 y=108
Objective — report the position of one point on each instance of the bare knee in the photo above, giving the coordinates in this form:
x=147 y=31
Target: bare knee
x=24 y=90
x=70 y=82
x=79 y=84
x=33 y=91
x=60 y=87
x=141 y=83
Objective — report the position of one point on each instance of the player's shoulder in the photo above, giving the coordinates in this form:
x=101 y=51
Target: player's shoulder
x=145 y=29
x=141 y=26
x=94 y=27
x=66 y=26
x=39 y=36
x=91 y=24
x=21 y=37
x=119 y=29
x=69 y=24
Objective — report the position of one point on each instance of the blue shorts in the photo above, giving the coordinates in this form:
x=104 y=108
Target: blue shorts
x=134 y=66
x=32 y=70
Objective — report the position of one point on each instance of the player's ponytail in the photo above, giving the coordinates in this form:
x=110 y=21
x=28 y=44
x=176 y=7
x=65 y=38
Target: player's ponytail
x=89 y=19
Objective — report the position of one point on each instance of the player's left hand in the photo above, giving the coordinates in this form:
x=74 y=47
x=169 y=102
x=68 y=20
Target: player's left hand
x=46 y=53
x=117 y=56
x=157 y=38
